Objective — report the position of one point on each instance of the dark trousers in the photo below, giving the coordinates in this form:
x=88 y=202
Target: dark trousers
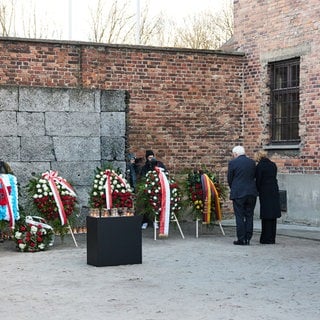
x=268 y=231
x=244 y=210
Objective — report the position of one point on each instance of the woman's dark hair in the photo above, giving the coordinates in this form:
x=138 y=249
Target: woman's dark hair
x=5 y=168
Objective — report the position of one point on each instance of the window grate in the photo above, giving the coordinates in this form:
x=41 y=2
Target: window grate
x=285 y=101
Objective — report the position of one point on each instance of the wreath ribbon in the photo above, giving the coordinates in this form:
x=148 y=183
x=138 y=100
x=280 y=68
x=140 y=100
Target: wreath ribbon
x=7 y=202
x=53 y=178
x=165 y=202
x=107 y=187
x=209 y=191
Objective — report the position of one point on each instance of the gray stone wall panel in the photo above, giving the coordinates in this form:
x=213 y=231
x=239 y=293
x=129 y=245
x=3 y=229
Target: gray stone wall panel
x=77 y=124
x=113 y=149
x=113 y=100
x=78 y=173
x=43 y=99
x=37 y=149
x=8 y=123
x=9 y=98
x=10 y=149
x=82 y=100
x=77 y=148
x=31 y=124
x=25 y=171
x=113 y=124
x=61 y=129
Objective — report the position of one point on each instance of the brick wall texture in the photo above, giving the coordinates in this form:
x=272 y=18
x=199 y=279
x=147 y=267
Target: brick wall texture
x=185 y=105
x=274 y=30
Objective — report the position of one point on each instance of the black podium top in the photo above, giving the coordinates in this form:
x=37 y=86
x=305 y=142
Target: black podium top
x=114 y=240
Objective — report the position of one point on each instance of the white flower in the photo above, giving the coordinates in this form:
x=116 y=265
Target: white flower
x=114 y=181
x=95 y=181
x=18 y=235
x=22 y=246
x=39 y=190
x=38 y=186
x=41 y=246
x=97 y=176
x=149 y=191
x=50 y=193
x=45 y=194
x=95 y=193
x=40 y=196
x=35 y=196
x=43 y=231
x=101 y=182
x=63 y=193
x=33 y=229
x=100 y=187
x=101 y=193
x=123 y=191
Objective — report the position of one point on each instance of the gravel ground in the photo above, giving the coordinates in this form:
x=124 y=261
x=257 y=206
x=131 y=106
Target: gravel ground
x=192 y=278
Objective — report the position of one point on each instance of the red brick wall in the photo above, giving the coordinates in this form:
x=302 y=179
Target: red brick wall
x=185 y=105
x=274 y=30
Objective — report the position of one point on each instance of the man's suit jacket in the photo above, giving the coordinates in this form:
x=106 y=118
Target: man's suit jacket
x=241 y=177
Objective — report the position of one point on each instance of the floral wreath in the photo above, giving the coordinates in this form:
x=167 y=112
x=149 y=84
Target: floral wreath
x=151 y=194
x=205 y=194
x=110 y=189
x=54 y=199
x=9 y=208
x=31 y=235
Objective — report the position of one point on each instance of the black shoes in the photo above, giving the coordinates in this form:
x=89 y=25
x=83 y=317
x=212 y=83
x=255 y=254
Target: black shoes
x=241 y=243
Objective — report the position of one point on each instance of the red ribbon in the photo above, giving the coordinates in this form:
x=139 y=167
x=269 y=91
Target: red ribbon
x=53 y=178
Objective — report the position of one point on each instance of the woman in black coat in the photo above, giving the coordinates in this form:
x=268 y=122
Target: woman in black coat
x=267 y=185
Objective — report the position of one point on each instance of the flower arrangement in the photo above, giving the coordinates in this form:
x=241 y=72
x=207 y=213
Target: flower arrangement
x=150 y=195
x=120 y=190
x=54 y=199
x=32 y=236
x=197 y=194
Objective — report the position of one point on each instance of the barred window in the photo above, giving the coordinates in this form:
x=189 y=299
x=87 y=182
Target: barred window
x=285 y=101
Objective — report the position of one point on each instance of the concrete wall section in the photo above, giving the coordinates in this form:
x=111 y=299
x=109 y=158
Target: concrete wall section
x=303 y=197
x=63 y=130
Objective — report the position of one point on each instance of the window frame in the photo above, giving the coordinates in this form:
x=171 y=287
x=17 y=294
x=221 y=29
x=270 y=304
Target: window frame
x=284 y=102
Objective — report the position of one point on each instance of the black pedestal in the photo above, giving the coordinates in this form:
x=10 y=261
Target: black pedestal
x=114 y=241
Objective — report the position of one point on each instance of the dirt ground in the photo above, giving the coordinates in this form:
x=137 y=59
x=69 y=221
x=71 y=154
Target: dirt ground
x=192 y=278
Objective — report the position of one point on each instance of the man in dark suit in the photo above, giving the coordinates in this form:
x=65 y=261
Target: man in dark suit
x=243 y=193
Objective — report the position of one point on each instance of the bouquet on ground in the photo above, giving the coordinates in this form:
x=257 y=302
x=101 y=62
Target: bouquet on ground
x=159 y=197
x=110 y=190
x=205 y=194
x=54 y=199
x=33 y=234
